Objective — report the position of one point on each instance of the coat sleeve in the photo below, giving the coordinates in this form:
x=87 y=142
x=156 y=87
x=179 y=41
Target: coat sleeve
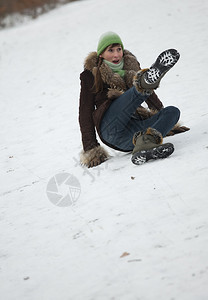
x=86 y=109
x=154 y=102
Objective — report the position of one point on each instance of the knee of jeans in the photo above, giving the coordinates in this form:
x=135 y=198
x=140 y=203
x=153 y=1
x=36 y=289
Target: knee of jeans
x=174 y=111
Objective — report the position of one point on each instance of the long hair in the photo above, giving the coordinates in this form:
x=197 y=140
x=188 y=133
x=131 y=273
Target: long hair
x=98 y=83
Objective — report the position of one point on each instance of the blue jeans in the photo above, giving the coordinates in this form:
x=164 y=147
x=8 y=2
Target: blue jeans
x=119 y=123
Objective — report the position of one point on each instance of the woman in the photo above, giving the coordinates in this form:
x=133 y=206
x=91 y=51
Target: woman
x=113 y=87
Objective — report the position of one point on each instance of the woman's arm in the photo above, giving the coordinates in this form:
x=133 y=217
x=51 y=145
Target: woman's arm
x=154 y=102
x=93 y=154
x=86 y=108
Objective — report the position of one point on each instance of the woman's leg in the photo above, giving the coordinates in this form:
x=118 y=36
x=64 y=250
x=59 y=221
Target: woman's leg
x=124 y=106
x=118 y=115
x=163 y=121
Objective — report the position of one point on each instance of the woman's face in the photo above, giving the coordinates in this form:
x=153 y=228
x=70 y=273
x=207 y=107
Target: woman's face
x=113 y=54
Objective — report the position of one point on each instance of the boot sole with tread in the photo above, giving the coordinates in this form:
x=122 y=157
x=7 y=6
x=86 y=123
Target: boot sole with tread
x=162 y=151
x=165 y=61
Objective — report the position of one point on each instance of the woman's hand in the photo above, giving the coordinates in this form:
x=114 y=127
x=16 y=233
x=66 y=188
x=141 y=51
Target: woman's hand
x=97 y=161
x=93 y=157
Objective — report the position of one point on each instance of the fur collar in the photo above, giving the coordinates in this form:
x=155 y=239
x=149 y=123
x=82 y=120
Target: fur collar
x=117 y=84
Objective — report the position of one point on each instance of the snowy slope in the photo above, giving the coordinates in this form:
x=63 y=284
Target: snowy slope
x=135 y=232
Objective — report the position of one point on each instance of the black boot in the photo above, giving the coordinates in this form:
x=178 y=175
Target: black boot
x=147 y=80
x=149 y=145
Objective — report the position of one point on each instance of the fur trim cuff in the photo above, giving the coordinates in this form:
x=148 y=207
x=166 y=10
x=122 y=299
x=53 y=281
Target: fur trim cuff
x=156 y=134
x=114 y=93
x=150 y=131
x=137 y=83
x=86 y=157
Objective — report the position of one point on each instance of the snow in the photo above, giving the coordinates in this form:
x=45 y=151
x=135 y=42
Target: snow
x=134 y=232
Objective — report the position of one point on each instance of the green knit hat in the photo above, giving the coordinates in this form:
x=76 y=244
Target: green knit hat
x=107 y=39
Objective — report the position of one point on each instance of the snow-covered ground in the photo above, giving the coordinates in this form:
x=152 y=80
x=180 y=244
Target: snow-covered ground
x=134 y=232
